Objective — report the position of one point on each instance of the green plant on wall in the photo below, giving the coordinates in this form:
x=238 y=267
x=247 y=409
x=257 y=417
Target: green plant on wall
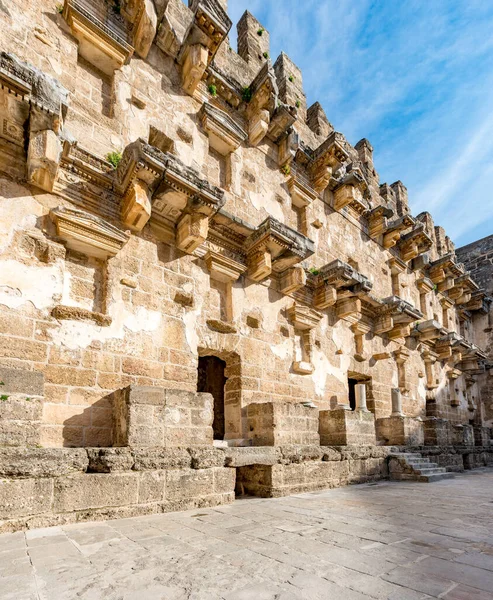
x=265 y=55
x=260 y=31
x=291 y=79
x=314 y=271
x=246 y=94
x=213 y=90
x=297 y=104
x=114 y=158
x=286 y=169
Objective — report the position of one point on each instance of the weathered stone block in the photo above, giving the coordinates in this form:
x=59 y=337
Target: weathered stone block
x=152 y=486
x=20 y=420
x=436 y=431
x=80 y=492
x=342 y=427
x=25 y=497
x=109 y=460
x=42 y=462
x=400 y=431
x=19 y=381
x=148 y=459
x=275 y=424
x=147 y=417
x=189 y=483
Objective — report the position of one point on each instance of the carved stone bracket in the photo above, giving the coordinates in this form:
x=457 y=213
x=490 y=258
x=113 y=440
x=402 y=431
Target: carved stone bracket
x=225 y=135
x=223 y=268
x=378 y=221
x=395 y=316
x=142 y=15
x=139 y=171
x=414 y=243
x=159 y=184
x=304 y=319
x=275 y=247
x=351 y=191
x=342 y=276
x=206 y=32
x=86 y=233
x=360 y=329
x=443 y=268
x=292 y=280
x=264 y=95
x=429 y=358
x=38 y=107
x=281 y=122
x=479 y=302
x=327 y=159
x=302 y=194
x=395 y=228
x=429 y=330
x=463 y=289
x=103 y=35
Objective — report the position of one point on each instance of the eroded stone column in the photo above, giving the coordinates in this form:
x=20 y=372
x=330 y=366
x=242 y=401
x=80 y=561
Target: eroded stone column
x=396 y=403
x=360 y=397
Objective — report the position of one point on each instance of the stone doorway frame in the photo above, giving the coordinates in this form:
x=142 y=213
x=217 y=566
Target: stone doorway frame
x=233 y=422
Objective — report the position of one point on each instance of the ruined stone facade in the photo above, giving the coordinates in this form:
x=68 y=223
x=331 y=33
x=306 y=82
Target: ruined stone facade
x=203 y=286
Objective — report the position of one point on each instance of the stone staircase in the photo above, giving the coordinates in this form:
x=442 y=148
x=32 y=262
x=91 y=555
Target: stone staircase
x=412 y=466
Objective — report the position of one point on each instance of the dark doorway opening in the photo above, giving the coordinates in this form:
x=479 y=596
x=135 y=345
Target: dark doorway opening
x=352 y=392
x=211 y=379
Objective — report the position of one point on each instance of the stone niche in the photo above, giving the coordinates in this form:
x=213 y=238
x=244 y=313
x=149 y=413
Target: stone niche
x=342 y=427
x=157 y=417
x=273 y=424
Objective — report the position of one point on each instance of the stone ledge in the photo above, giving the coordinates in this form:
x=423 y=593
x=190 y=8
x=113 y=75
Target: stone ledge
x=75 y=313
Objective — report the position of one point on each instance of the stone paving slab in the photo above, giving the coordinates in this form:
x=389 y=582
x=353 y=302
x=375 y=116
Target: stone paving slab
x=383 y=541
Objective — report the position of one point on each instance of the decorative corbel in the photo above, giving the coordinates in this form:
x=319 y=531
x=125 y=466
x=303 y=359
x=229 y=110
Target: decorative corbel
x=304 y=319
x=453 y=375
x=360 y=329
x=401 y=356
x=414 y=243
x=40 y=108
x=84 y=232
x=325 y=295
x=264 y=95
x=275 y=247
x=327 y=159
x=207 y=31
x=142 y=15
x=137 y=175
x=292 y=280
x=425 y=286
x=377 y=221
x=429 y=358
x=225 y=135
x=395 y=228
x=350 y=191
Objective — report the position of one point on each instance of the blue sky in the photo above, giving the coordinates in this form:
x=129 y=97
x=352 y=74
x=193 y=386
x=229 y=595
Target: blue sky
x=415 y=78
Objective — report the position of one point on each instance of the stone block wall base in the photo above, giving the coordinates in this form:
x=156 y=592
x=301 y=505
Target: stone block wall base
x=400 y=431
x=72 y=494
x=342 y=427
x=335 y=470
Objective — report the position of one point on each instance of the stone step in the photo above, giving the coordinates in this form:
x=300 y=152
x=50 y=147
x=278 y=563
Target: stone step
x=435 y=477
x=430 y=471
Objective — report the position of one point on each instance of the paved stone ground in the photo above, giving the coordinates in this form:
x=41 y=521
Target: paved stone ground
x=391 y=540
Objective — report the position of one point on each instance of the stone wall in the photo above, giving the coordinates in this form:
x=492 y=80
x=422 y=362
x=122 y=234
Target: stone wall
x=478 y=258
x=164 y=198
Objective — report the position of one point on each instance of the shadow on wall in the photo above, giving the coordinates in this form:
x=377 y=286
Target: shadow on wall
x=91 y=428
